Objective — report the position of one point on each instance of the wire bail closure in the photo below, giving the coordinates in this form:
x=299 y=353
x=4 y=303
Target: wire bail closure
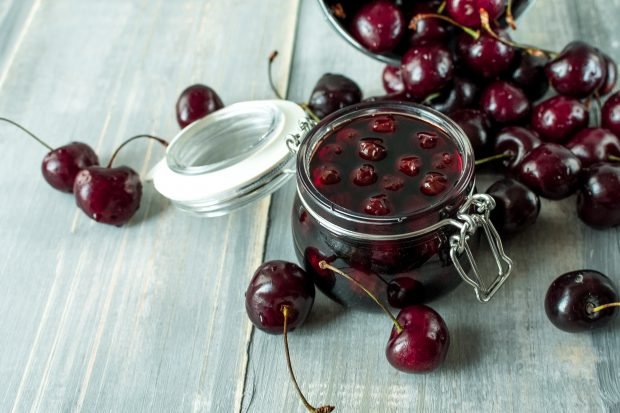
x=293 y=140
x=473 y=215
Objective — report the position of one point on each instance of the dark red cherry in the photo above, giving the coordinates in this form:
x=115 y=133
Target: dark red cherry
x=404 y=291
x=329 y=152
x=487 y=57
x=383 y=124
x=610 y=114
x=572 y=296
x=516 y=141
x=392 y=183
x=477 y=127
x=428 y=140
x=594 y=145
x=372 y=149
x=550 y=170
x=364 y=175
x=426 y=69
x=505 y=103
x=347 y=136
x=423 y=343
x=377 y=205
x=467 y=12
x=333 y=92
x=378 y=26
x=579 y=70
x=429 y=30
x=274 y=285
x=443 y=160
x=326 y=175
x=410 y=165
x=392 y=80
x=516 y=206
x=598 y=200
x=612 y=75
x=433 y=183
x=461 y=93
x=60 y=166
x=108 y=195
x=196 y=102
x=324 y=279
x=558 y=118
x=530 y=75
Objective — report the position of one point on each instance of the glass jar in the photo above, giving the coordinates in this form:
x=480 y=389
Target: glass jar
x=248 y=150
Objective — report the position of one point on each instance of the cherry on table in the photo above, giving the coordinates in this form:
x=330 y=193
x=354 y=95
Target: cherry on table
x=610 y=114
x=516 y=141
x=477 y=127
x=392 y=79
x=573 y=299
x=530 y=75
x=592 y=145
x=598 y=199
x=333 y=92
x=505 y=103
x=196 y=102
x=578 y=71
x=426 y=69
x=611 y=76
x=467 y=12
x=558 y=118
x=516 y=206
x=378 y=26
x=404 y=291
x=461 y=93
x=486 y=56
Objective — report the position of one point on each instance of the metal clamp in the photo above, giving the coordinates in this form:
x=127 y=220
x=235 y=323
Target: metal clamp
x=471 y=216
x=294 y=139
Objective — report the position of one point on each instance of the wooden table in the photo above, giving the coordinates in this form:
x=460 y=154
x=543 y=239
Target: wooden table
x=150 y=317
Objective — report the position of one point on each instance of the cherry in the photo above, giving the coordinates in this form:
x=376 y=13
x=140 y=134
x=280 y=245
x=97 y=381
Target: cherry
x=372 y=149
x=610 y=114
x=196 y=102
x=611 y=77
x=573 y=301
x=323 y=278
x=377 y=205
x=392 y=80
x=428 y=140
x=578 y=71
x=477 y=127
x=329 y=152
x=594 y=145
x=461 y=93
x=347 y=136
x=433 y=183
x=404 y=291
x=333 y=92
x=326 y=175
x=505 y=103
x=383 y=124
x=428 y=30
x=530 y=75
x=423 y=343
x=467 y=12
x=550 y=170
x=516 y=206
x=393 y=183
x=426 y=69
x=598 y=200
x=410 y=165
x=517 y=142
x=275 y=284
x=378 y=26
x=364 y=175
x=558 y=118
x=486 y=56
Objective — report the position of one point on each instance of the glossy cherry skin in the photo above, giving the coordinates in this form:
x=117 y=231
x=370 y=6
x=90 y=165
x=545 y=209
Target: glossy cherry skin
x=594 y=145
x=61 y=166
x=467 y=12
x=429 y=30
x=426 y=69
x=598 y=200
x=333 y=92
x=462 y=93
x=404 y=291
x=477 y=126
x=610 y=114
x=550 y=170
x=423 y=344
x=579 y=70
x=516 y=206
x=196 y=102
x=505 y=103
x=392 y=80
x=572 y=296
x=108 y=195
x=530 y=75
x=378 y=26
x=274 y=285
x=516 y=141
x=612 y=75
x=486 y=56
x=558 y=118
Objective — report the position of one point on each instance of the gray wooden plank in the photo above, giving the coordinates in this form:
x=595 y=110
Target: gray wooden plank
x=148 y=317
x=505 y=356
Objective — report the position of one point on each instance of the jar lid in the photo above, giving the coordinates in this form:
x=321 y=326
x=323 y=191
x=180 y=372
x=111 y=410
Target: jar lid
x=230 y=158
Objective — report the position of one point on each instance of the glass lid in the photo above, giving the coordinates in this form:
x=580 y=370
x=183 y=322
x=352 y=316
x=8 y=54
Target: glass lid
x=230 y=158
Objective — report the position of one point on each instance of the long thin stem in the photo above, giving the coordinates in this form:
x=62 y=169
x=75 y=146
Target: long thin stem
x=133 y=138
x=441 y=7
x=416 y=19
x=614 y=158
x=324 y=265
x=492 y=158
x=604 y=306
x=32 y=135
x=323 y=409
x=509 y=17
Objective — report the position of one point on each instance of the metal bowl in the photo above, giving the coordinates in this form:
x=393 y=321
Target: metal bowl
x=391 y=58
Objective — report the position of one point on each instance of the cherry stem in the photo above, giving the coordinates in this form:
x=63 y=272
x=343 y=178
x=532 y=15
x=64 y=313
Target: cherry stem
x=414 y=23
x=441 y=7
x=614 y=158
x=323 y=409
x=324 y=265
x=509 y=17
x=532 y=50
x=492 y=158
x=32 y=135
x=338 y=11
x=304 y=106
x=604 y=306
x=133 y=138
